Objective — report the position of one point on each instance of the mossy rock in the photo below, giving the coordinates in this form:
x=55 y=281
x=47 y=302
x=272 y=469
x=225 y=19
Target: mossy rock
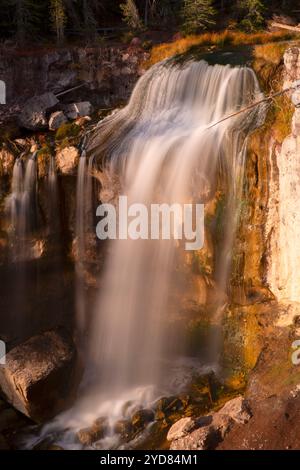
x=67 y=131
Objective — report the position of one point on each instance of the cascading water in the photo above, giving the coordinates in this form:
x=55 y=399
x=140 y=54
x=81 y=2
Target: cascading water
x=164 y=150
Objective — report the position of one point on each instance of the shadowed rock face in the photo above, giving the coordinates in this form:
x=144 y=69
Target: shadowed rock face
x=39 y=376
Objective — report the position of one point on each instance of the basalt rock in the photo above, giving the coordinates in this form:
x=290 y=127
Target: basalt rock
x=207 y=432
x=40 y=374
x=34 y=113
x=56 y=120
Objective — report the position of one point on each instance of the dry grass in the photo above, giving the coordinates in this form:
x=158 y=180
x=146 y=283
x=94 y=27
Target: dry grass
x=234 y=38
x=271 y=52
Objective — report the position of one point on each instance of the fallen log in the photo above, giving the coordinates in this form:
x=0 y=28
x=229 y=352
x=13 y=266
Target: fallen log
x=296 y=29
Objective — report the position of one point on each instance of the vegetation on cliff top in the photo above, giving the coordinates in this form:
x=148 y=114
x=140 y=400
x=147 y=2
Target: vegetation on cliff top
x=29 y=21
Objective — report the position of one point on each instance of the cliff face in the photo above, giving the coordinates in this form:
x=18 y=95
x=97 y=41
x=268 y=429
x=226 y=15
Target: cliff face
x=109 y=74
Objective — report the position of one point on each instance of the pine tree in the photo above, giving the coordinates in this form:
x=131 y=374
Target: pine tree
x=26 y=15
x=253 y=14
x=59 y=18
x=131 y=15
x=89 y=10
x=197 y=14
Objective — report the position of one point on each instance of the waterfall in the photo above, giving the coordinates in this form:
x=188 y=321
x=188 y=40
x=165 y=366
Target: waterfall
x=84 y=228
x=164 y=150
x=21 y=205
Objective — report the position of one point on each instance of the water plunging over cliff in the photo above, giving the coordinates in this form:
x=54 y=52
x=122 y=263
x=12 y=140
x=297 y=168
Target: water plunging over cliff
x=161 y=149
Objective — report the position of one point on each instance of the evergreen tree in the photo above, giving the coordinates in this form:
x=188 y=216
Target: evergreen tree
x=253 y=14
x=26 y=17
x=131 y=15
x=59 y=18
x=89 y=12
x=197 y=14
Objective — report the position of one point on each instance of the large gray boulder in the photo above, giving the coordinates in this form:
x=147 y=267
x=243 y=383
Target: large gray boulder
x=33 y=116
x=77 y=110
x=40 y=375
x=56 y=120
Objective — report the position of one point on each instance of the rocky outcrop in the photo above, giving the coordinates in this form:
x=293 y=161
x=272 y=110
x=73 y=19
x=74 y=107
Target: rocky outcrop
x=282 y=228
x=56 y=120
x=67 y=160
x=39 y=375
x=207 y=432
x=34 y=113
x=109 y=74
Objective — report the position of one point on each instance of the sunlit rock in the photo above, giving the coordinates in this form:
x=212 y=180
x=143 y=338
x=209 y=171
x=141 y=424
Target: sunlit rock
x=181 y=428
x=6 y=162
x=67 y=160
x=39 y=375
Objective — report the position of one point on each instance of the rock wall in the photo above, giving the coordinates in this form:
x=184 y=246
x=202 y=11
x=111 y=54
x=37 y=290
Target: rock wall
x=109 y=73
x=283 y=222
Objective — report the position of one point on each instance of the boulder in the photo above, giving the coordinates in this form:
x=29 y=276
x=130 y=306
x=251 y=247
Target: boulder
x=208 y=431
x=34 y=113
x=181 y=428
x=237 y=409
x=141 y=418
x=76 y=110
x=205 y=438
x=40 y=375
x=56 y=120
x=67 y=160
x=97 y=431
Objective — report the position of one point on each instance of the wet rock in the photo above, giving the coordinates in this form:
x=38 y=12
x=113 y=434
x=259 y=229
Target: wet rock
x=56 y=120
x=39 y=376
x=123 y=427
x=167 y=405
x=181 y=428
x=67 y=160
x=79 y=110
x=141 y=418
x=34 y=113
x=97 y=431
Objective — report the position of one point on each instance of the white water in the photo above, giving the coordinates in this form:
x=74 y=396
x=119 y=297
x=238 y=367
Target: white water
x=162 y=150
x=22 y=207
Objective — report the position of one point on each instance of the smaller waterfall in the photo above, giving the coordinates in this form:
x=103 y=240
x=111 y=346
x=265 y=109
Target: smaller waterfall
x=22 y=207
x=53 y=196
x=84 y=229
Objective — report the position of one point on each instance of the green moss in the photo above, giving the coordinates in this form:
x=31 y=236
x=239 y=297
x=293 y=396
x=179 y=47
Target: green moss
x=67 y=131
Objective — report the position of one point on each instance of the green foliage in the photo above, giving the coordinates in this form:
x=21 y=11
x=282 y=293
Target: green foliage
x=67 y=130
x=197 y=15
x=58 y=18
x=252 y=12
x=131 y=15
